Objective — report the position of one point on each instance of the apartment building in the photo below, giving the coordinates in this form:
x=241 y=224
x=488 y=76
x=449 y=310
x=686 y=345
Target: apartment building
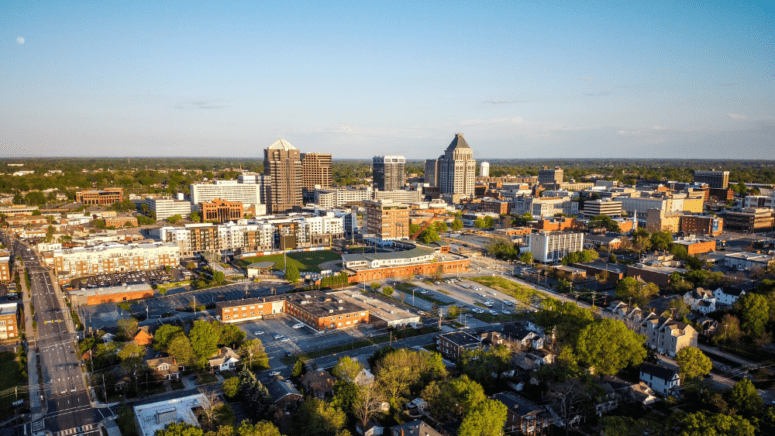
x=495 y=206
x=453 y=345
x=400 y=196
x=164 y=208
x=104 y=197
x=431 y=176
x=386 y=220
x=221 y=210
x=70 y=263
x=389 y=174
x=19 y=209
x=227 y=190
x=338 y=197
x=9 y=328
x=666 y=335
x=544 y=207
x=702 y=225
x=759 y=202
x=551 y=247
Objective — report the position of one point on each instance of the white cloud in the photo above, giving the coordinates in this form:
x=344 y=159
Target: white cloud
x=20 y=40
x=629 y=132
x=736 y=116
x=514 y=120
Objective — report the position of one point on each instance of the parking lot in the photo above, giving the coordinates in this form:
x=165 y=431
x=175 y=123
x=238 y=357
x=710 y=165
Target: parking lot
x=154 y=276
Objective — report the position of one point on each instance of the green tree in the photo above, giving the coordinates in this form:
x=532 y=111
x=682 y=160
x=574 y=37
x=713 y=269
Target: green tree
x=345 y=396
x=180 y=348
x=292 y=273
x=440 y=226
x=194 y=216
x=454 y=399
x=230 y=388
x=729 y=328
x=204 y=341
x=479 y=223
x=317 y=417
x=692 y=363
x=255 y=353
x=131 y=355
x=745 y=398
x=526 y=258
x=298 y=368
x=231 y=336
x=489 y=222
x=486 y=419
x=480 y=365
x=255 y=395
x=612 y=258
x=219 y=277
x=174 y=219
x=609 y=346
x=661 y=240
x=429 y=235
x=457 y=224
x=754 y=313
x=127 y=328
x=180 y=429
x=261 y=428
x=387 y=290
x=604 y=221
x=640 y=292
x=347 y=369
x=163 y=336
x=374 y=286
x=703 y=423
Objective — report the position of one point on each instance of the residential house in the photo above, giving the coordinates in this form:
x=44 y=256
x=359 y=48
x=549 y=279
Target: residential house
x=143 y=337
x=319 y=383
x=629 y=392
x=659 y=378
x=364 y=378
x=284 y=394
x=372 y=429
x=701 y=300
x=165 y=368
x=667 y=336
x=630 y=315
x=709 y=326
x=414 y=428
x=728 y=295
x=523 y=416
x=533 y=359
x=452 y=345
x=226 y=359
x=416 y=407
x=521 y=337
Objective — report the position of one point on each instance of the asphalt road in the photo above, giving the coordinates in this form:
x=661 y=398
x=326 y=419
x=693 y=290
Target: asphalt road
x=67 y=404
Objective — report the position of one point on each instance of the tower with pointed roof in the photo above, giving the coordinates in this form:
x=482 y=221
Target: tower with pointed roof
x=283 y=171
x=457 y=169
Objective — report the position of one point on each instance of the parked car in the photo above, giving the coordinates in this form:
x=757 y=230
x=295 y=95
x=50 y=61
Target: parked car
x=298 y=326
x=278 y=337
x=285 y=340
x=492 y=312
x=424 y=291
x=274 y=373
x=258 y=333
x=506 y=312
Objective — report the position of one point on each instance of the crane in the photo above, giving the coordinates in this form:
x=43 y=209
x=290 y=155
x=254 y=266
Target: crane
x=425 y=226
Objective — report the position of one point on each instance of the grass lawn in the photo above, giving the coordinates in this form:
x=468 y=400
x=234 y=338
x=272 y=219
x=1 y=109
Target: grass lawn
x=206 y=379
x=10 y=377
x=308 y=261
x=407 y=288
x=521 y=293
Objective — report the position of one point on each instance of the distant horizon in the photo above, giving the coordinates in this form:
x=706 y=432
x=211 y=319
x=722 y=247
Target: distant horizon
x=611 y=158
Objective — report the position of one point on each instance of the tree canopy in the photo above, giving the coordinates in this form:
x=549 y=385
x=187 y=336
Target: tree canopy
x=609 y=346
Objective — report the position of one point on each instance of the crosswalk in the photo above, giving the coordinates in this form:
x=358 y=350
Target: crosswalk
x=88 y=428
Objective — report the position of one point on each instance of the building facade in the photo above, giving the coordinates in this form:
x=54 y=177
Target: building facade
x=164 y=208
x=389 y=173
x=315 y=173
x=282 y=166
x=229 y=190
x=453 y=345
x=548 y=176
x=5 y=266
x=221 y=210
x=431 y=176
x=70 y=263
x=600 y=207
x=457 y=169
x=750 y=220
x=120 y=221
x=702 y=225
x=714 y=179
x=8 y=322
x=105 y=197
x=549 y=247
x=386 y=220
x=484 y=169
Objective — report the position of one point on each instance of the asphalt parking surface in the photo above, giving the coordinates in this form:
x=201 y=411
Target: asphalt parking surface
x=158 y=275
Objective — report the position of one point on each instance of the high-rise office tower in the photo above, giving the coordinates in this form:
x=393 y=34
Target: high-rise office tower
x=316 y=171
x=550 y=176
x=432 y=172
x=714 y=179
x=484 y=169
x=389 y=172
x=457 y=169
x=282 y=166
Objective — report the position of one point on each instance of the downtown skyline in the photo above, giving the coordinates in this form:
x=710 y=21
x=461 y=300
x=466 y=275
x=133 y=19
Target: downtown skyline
x=519 y=81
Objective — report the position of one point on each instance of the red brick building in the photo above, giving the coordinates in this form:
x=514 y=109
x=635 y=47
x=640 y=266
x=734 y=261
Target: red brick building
x=120 y=221
x=8 y=322
x=105 y=197
x=221 y=210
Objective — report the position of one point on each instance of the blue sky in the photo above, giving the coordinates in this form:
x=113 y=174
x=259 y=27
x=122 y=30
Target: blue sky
x=519 y=80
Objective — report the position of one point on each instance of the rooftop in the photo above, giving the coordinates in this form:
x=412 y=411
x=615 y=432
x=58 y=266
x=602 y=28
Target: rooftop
x=8 y=309
x=379 y=308
x=281 y=144
x=522 y=406
x=458 y=142
x=658 y=371
x=155 y=416
x=139 y=287
x=411 y=253
x=320 y=304
x=461 y=339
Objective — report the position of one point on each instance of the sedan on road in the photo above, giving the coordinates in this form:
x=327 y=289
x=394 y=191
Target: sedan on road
x=298 y=326
x=274 y=373
x=258 y=333
x=278 y=337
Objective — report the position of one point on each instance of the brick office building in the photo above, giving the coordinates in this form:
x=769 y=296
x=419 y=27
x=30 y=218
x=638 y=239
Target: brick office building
x=221 y=210
x=452 y=345
x=5 y=266
x=316 y=309
x=104 y=197
x=120 y=221
x=387 y=220
x=702 y=225
x=8 y=321
x=113 y=294
x=418 y=261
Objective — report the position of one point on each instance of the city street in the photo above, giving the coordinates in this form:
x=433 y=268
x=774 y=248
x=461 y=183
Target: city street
x=66 y=401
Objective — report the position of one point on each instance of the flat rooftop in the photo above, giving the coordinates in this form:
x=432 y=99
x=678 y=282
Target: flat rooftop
x=321 y=304
x=8 y=309
x=406 y=254
x=461 y=339
x=138 y=287
x=244 y=301
x=155 y=416
x=379 y=308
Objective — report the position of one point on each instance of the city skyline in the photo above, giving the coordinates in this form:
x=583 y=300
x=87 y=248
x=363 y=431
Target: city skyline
x=519 y=81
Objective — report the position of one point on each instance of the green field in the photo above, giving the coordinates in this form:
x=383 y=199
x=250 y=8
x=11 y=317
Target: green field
x=521 y=293
x=308 y=261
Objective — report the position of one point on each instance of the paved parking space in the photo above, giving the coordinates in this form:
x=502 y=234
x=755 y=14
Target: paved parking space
x=158 y=275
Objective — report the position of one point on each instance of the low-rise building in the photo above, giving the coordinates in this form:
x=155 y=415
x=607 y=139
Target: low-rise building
x=550 y=247
x=414 y=428
x=702 y=225
x=221 y=211
x=728 y=295
x=667 y=336
x=164 y=208
x=120 y=221
x=318 y=383
x=607 y=207
x=696 y=245
x=164 y=368
x=225 y=360
x=750 y=220
x=394 y=316
x=452 y=345
x=18 y=209
x=112 y=294
x=744 y=261
x=104 y=197
x=661 y=379
x=70 y=263
x=284 y=394
x=701 y=300
x=419 y=260
x=8 y=321
x=5 y=266
x=153 y=417
x=523 y=416
x=653 y=272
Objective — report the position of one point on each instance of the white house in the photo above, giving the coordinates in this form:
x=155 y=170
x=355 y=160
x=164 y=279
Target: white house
x=662 y=380
x=701 y=300
x=226 y=359
x=728 y=295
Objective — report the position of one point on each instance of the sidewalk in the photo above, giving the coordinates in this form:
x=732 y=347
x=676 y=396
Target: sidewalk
x=36 y=405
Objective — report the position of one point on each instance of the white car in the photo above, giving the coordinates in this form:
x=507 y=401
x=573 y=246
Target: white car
x=424 y=291
x=506 y=312
x=492 y=312
x=258 y=333
x=285 y=340
x=298 y=326
x=278 y=337
x=274 y=373
x=437 y=283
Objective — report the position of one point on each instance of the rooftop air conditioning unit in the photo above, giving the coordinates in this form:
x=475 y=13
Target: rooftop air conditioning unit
x=330 y=310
